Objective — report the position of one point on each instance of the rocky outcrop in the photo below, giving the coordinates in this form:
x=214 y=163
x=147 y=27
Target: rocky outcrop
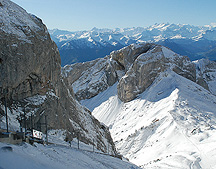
x=127 y=55
x=90 y=78
x=148 y=66
x=206 y=74
x=30 y=80
x=134 y=67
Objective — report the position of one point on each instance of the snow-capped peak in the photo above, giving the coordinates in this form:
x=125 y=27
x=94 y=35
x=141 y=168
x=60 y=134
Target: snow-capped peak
x=184 y=39
x=165 y=29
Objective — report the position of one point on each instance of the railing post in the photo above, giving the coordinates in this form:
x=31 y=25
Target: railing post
x=78 y=139
x=46 y=129
x=6 y=113
x=93 y=145
x=24 y=118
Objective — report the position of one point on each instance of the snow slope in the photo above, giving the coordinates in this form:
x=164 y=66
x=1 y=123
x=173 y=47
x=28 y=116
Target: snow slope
x=170 y=125
x=56 y=157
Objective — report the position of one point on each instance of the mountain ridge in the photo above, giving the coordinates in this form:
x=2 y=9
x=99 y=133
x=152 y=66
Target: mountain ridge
x=194 y=41
x=134 y=67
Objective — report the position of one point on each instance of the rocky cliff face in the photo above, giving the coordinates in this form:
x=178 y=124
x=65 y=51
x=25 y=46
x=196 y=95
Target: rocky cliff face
x=29 y=59
x=30 y=80
x=148 y=66
x=90 y=78
x=135 y=68
x=206 y=74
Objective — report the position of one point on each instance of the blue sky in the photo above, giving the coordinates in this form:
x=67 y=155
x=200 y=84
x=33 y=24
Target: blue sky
x=76 y=15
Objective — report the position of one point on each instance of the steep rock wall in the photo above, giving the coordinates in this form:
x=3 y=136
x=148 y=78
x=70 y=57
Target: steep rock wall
x=30 y=60
x=148 y=66
x=30 y=80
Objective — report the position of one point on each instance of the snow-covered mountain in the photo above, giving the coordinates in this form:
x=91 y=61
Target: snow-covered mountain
x=193 y=41
x=170 y=125
x=160 y=106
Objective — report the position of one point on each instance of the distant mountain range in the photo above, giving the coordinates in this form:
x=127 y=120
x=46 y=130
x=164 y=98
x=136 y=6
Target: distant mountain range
x=194 y=41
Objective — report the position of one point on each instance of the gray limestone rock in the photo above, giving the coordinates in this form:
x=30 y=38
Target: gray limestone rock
x=30 y=60
x=30 y=77
x=206 y=74
x=127 y=55
x=134 y=67
x=148 y=66
x=90 y=78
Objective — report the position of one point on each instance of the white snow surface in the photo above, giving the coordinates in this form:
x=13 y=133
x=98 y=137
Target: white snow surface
x=60 y=155
x=57 y=157
x=170 y=125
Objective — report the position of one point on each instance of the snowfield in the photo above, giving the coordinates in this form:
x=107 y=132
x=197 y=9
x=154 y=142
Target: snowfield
x=170 y=125
x=57 y=157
